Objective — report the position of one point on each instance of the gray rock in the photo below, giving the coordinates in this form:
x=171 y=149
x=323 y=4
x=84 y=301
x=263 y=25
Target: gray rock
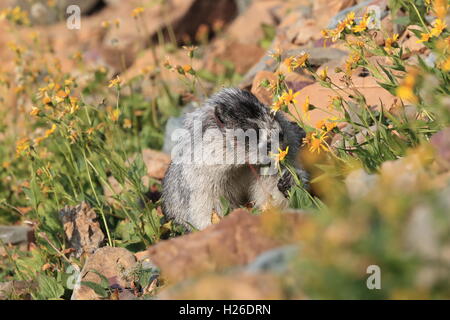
x=430 y=60
x=359 y=183
x=421 y=236
x=265 y=63
x=14 y=234
x=276 y=260
x=243 y=5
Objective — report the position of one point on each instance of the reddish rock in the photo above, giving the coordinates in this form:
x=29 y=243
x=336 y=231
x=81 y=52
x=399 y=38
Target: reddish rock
x=147 y=66
x=409 y=42
x=241 y=286
x=308 y=31
x=247 y=28
x=263 y=94
x=324 y=10
x=81 y=228
x=243 y=56
x=157 y=163
x=240 y=43
x=321 y=97
x=238 y=239
x=113 y=263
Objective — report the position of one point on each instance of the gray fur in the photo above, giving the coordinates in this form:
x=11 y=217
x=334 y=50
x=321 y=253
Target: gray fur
x=192 y=192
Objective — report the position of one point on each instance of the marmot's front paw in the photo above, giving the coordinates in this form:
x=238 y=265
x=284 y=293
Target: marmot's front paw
x=285 y=183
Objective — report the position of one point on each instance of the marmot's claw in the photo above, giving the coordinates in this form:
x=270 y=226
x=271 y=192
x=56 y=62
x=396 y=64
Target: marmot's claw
x=285 y=183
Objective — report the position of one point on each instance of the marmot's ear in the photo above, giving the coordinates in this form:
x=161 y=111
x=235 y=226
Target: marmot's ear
x=221 y=117
x=298 y=131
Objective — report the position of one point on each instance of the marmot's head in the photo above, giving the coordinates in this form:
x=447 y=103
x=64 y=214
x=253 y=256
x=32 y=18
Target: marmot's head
x=251 y=128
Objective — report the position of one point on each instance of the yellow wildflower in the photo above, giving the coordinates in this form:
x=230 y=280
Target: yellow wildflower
x=90 y=131
x=280 y=155
x=362 y=24
x=389 y=42
x=289 y=97
x=115 y=114
x=301 y=60
x=438 y=27
x=127 y=124
x=114 y=82
x=15 y=15
x=305 y=107
x=276 y=106
x=351 y=60
x=331 y=124
x=38 y=140
x=295 y=62
x=62 y=94
x=440 y=8
x=73 y=105
x=346 y=23
x=424 y=37
x=46 y=99
x=323 y=75
x=35 y=111
x=407 y=93
x=406 y=89
x=349 y=19
x=73 y=136
x=147 y=69
x=289 y=62
x=167 y=63
x=105 y=24
x=187 y=68
x=22 y=145
x=317 y=143
x=19 y=89
x=190 y=50
x=50 y=131
x=446 y=64
x=276 y=55
x=137 y=12
x=77 y=56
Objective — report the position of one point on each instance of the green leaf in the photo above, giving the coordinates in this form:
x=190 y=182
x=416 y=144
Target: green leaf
x=98 y=289
x=48 y=288
x=389 y=87
x=403 y=21
x=104 y=282
x=225 y=205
